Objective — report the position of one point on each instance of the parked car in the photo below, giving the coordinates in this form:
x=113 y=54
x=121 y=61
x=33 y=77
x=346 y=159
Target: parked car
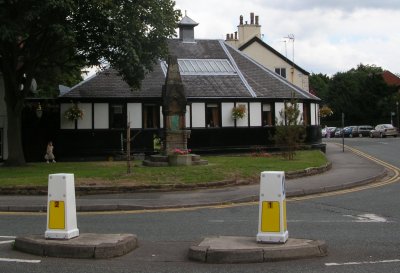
x=338 y=132
x=363 y=130
x=349 y=131
x=384 y=130
x=331 y=131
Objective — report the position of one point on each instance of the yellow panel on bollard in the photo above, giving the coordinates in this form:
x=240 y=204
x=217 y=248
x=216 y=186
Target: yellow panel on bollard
x=272 y=226
x=56 y=215
x=61 y=207
x=270 y=217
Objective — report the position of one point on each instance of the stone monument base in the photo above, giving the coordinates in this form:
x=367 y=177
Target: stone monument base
x=180 y=160
x=174 y=160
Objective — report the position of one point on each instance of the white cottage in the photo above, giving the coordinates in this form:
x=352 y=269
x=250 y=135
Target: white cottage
x=217 y=78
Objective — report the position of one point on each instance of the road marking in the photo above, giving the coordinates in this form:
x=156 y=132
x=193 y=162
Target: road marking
x=216 y=221
x=19 y=261
x=368 y=218
x=363 y=263
x=395 y=178
x=6 y=242
x=362 y=218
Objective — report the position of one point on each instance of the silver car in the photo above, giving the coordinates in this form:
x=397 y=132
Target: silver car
x=383 y=130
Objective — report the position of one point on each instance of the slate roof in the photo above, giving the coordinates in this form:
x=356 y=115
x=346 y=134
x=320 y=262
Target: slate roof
x=250 y=81
x=187 y=21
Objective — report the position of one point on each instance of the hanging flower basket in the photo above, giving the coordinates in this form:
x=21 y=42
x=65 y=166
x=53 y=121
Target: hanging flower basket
x=239 y=111
x=73 y=113
x=325 y=111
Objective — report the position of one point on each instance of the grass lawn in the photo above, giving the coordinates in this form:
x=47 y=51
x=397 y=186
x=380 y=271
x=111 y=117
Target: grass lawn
x=114 y=173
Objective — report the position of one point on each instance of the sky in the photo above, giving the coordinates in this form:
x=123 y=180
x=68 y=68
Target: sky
x=330 y=36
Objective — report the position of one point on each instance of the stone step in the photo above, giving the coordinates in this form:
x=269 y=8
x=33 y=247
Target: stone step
x=200 y=162
x=159 y=158
x=195 y=157
x=150 y=163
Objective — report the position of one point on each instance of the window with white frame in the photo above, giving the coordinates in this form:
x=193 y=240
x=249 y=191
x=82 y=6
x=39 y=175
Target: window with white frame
x=151 y=116
x=267 y=118
x=117 y=116
x=213 y=115
x=281 y=71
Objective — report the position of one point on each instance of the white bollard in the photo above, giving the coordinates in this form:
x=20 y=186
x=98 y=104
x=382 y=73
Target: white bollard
x=61 y=207
x=272 y=226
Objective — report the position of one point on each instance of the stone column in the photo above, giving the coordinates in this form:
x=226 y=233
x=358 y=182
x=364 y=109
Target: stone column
x=174 y=110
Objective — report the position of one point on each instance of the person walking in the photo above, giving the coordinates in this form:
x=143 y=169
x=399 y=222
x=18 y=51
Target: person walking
x=49 y=153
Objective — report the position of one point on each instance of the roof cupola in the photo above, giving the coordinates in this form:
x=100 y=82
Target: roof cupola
x=186 y=29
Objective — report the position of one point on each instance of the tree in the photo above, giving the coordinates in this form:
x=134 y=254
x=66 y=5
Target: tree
x=290 y=131
x=39 y=36
x=319 y=85
x=360 y=93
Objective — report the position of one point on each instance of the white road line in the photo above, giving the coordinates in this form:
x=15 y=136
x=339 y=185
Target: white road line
x=19 y=261
x=216 y=221
x=363 y=263
x=368 y=218
x=8 y=237
x=6 y=242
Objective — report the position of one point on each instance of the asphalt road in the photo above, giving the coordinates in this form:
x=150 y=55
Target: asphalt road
x=361 y=229
x=386 y=149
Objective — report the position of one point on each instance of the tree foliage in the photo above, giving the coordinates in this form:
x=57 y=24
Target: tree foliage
x=56 y=36
x=319 y=84
x=360 y=93
x=290 y=130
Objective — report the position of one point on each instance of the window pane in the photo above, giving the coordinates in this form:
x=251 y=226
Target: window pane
x=117 y=116
x=196 y=66
x=209 y=66
x=283 y=72
x=213 y=113
x=151 y=116
x=267 y=107
x=267 y=115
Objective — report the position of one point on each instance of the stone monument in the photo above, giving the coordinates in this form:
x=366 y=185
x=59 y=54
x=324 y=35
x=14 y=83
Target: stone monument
x=174 y=111
x=174 y=150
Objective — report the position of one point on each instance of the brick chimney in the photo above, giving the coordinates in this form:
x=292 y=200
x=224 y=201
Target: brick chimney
x=248 y=31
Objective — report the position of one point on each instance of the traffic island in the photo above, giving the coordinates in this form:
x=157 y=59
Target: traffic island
x=230 y=249
x=85 y=246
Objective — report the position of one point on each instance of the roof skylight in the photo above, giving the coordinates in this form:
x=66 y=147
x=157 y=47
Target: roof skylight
x=203 y=67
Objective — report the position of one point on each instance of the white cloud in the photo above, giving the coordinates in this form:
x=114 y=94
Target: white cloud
x=330 y=36
x=345 y=5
